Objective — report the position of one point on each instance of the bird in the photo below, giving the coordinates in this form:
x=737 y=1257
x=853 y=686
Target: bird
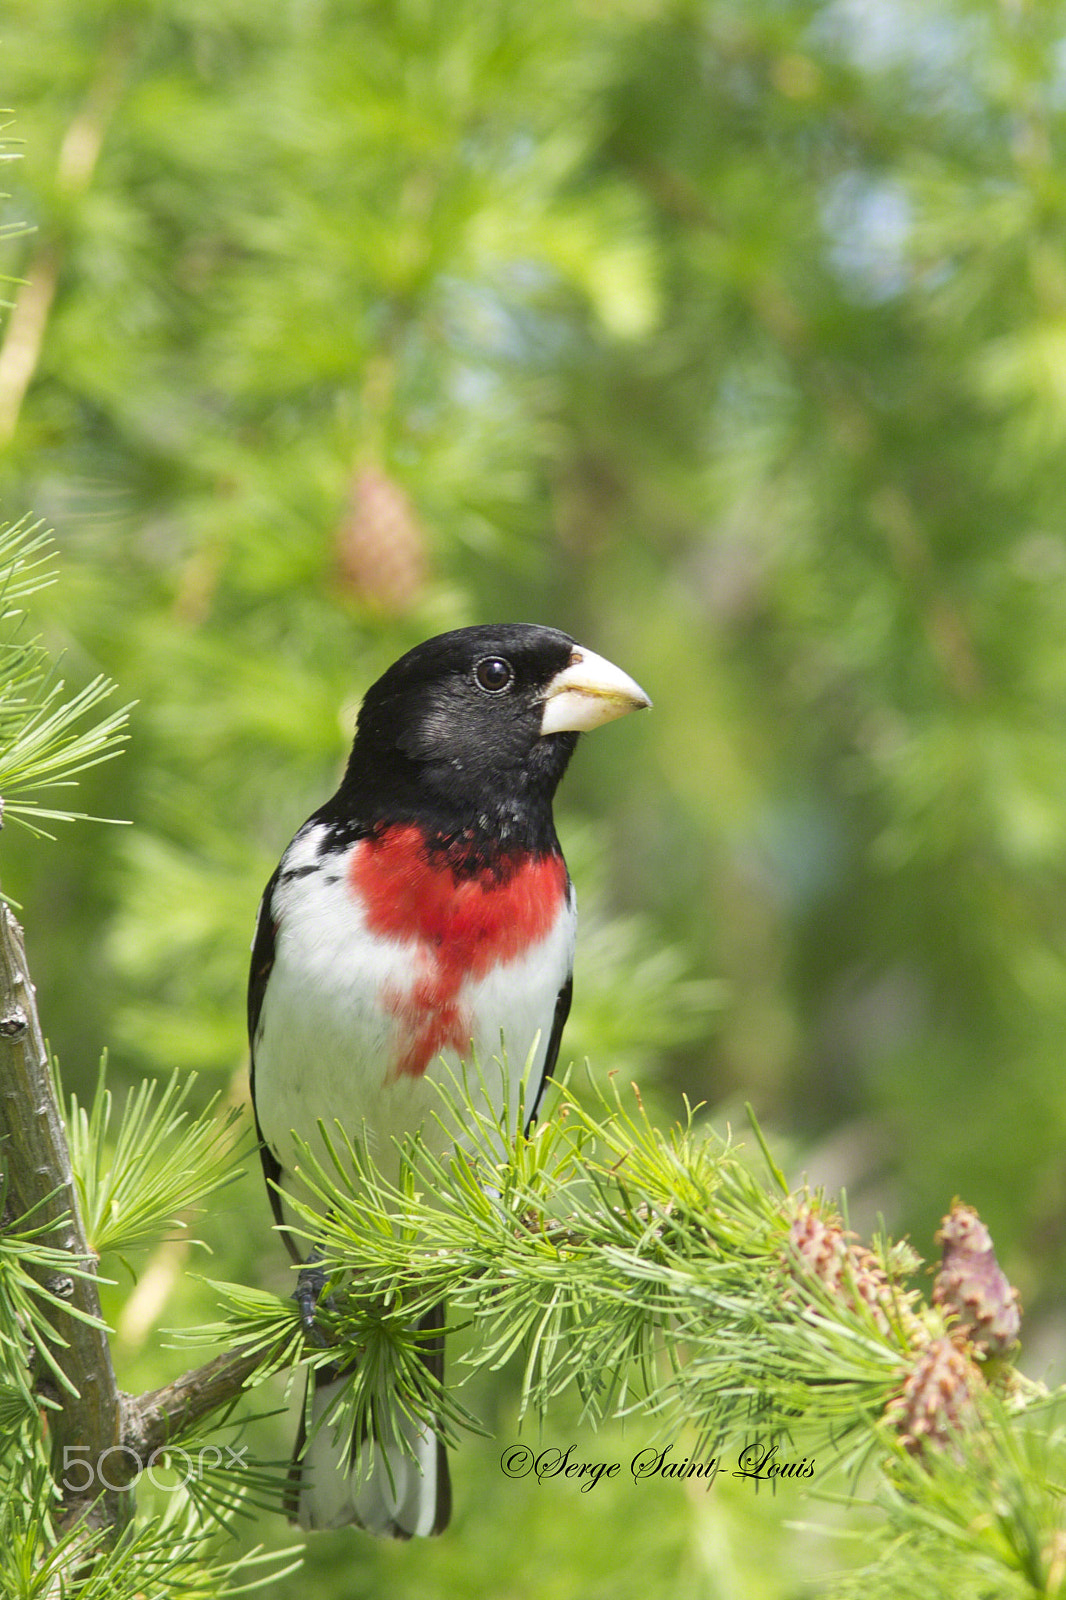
x=422 y=918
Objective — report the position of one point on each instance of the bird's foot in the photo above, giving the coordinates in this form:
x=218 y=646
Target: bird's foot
x=310 y=1283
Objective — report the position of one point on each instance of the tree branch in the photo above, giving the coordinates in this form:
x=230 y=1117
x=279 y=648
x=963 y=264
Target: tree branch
x=152 y=1420
x=39 y=1179
x=92 y=1419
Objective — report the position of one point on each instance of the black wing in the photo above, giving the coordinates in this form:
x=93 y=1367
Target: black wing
x=258 y=977
x=562 y=1011
x=262 y=961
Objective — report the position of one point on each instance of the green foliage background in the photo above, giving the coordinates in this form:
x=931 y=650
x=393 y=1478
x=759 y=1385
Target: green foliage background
x=728 y=336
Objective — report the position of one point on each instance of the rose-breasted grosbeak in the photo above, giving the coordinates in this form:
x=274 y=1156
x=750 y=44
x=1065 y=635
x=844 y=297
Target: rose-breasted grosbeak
x=421 y=917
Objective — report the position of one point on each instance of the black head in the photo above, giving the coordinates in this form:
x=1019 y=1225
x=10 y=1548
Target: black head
x=478 y=725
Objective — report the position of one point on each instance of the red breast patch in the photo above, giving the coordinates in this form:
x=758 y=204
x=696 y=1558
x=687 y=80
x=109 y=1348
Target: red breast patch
x=461 y=926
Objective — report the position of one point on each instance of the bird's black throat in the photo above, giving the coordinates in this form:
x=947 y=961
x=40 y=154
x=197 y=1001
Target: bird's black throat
x=472 y=821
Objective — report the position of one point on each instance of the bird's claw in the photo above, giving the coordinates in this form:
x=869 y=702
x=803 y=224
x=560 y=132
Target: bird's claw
x=310 y=1284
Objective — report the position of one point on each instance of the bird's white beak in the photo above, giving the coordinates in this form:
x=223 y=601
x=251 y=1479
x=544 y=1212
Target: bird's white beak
x=588 y=692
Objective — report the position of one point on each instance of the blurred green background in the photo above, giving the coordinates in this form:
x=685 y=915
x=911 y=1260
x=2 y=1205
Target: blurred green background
x=731 y=338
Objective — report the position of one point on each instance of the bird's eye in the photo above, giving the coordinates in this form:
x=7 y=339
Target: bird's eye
x=493 y=674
